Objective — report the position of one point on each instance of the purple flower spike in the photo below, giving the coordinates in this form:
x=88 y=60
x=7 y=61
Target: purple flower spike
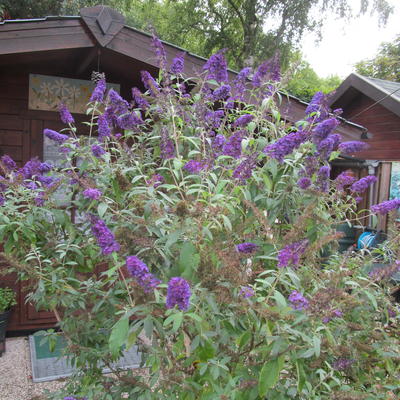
x=178 y=294
x=216 y=67
x=298 y=301
x=361 y=185
x=97 y=150
x=167 y=147
x=149 y=83
x=103 y=127
x=352 y=147
x=246 y=292
x=244 y=170
x=246 y=247
x=317 y=103
x=99 y=90
x=194 y=167
x=233 y=146
x=344 y=179
x=93 y=194
x=139 y=100
x=156 y=180
x=304 y=183
x=55 y=136
x=139 y=270
x=178 y=63
x=386 y=206
x=244 y=120
x=285 y=145
x=290 y=254
x=221 y=93
x=268 y=71
x=65 y=115
x=105 y=238
x=333 y=314
x=160 y=51
x=8 y=162
x=324 y=128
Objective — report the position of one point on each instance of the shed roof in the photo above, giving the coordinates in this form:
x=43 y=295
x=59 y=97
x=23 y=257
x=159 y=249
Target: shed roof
x=101 y=27
x=384 y=92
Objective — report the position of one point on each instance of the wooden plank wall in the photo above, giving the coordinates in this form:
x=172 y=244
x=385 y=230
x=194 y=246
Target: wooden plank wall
x=381 y=123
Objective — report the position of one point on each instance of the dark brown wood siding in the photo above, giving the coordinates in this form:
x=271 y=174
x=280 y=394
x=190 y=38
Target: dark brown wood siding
x=381 y=123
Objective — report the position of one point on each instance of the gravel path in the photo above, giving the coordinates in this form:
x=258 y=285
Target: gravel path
x=15 y=373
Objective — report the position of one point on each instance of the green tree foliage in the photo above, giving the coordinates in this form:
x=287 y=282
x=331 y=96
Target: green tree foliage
x=385 y=65
x=251 y=30
x=305 y=82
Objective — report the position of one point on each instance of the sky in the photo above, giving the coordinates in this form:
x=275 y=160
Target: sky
x=345 y=43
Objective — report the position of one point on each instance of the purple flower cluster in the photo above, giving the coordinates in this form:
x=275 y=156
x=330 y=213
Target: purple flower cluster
x=333 y=314
x=65 y=115
x=117 y=104
x=268 y=71
x=160 y=51
x=167 y=148
x=178 y=294
x=8 y=162
x=216 y=67
x=178 y=64
x=194 y=167
x=386 y=206
x=233 y=146
x=91 y=193
x=105 y=238
x=290 y=254
x=344 y=179
x=298 y=301
x=221 y=93
x=35 y=168
x=322 y=182
x=156 y=180
x=246 y=292
x=57 y=137
x=98 y=150
x=323 y=129
x=217 y=144
x=326 y=146
x=99 y=90
x=246 y=247
x=285 y=145
x=342 y=364
x=245 y=169
x=304 y=183
x=103 y=127
x=318 y=104
x=240 y=82
x=352 y=147
x=213 y=119
x=139 y=270
x=243 y=120
x=149 y=83
x=129 y=121
x=139 y=100
x=362 y=185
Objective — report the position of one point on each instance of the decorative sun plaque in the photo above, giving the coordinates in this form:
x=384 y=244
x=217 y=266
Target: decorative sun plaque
x=47 y=92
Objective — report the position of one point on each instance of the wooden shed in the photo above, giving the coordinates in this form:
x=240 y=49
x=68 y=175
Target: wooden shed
x=374 y=104
x=42 y=59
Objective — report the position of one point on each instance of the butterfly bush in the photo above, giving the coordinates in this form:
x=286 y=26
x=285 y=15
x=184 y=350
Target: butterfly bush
x=198 y=225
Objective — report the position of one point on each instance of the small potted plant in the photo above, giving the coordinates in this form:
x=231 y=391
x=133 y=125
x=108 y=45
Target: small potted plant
x=7 y=300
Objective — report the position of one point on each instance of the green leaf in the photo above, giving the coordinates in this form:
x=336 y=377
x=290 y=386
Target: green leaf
x=301 y=376
x=118 y=335
x=101 y=209
x=317 y=346
x=269 y=375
